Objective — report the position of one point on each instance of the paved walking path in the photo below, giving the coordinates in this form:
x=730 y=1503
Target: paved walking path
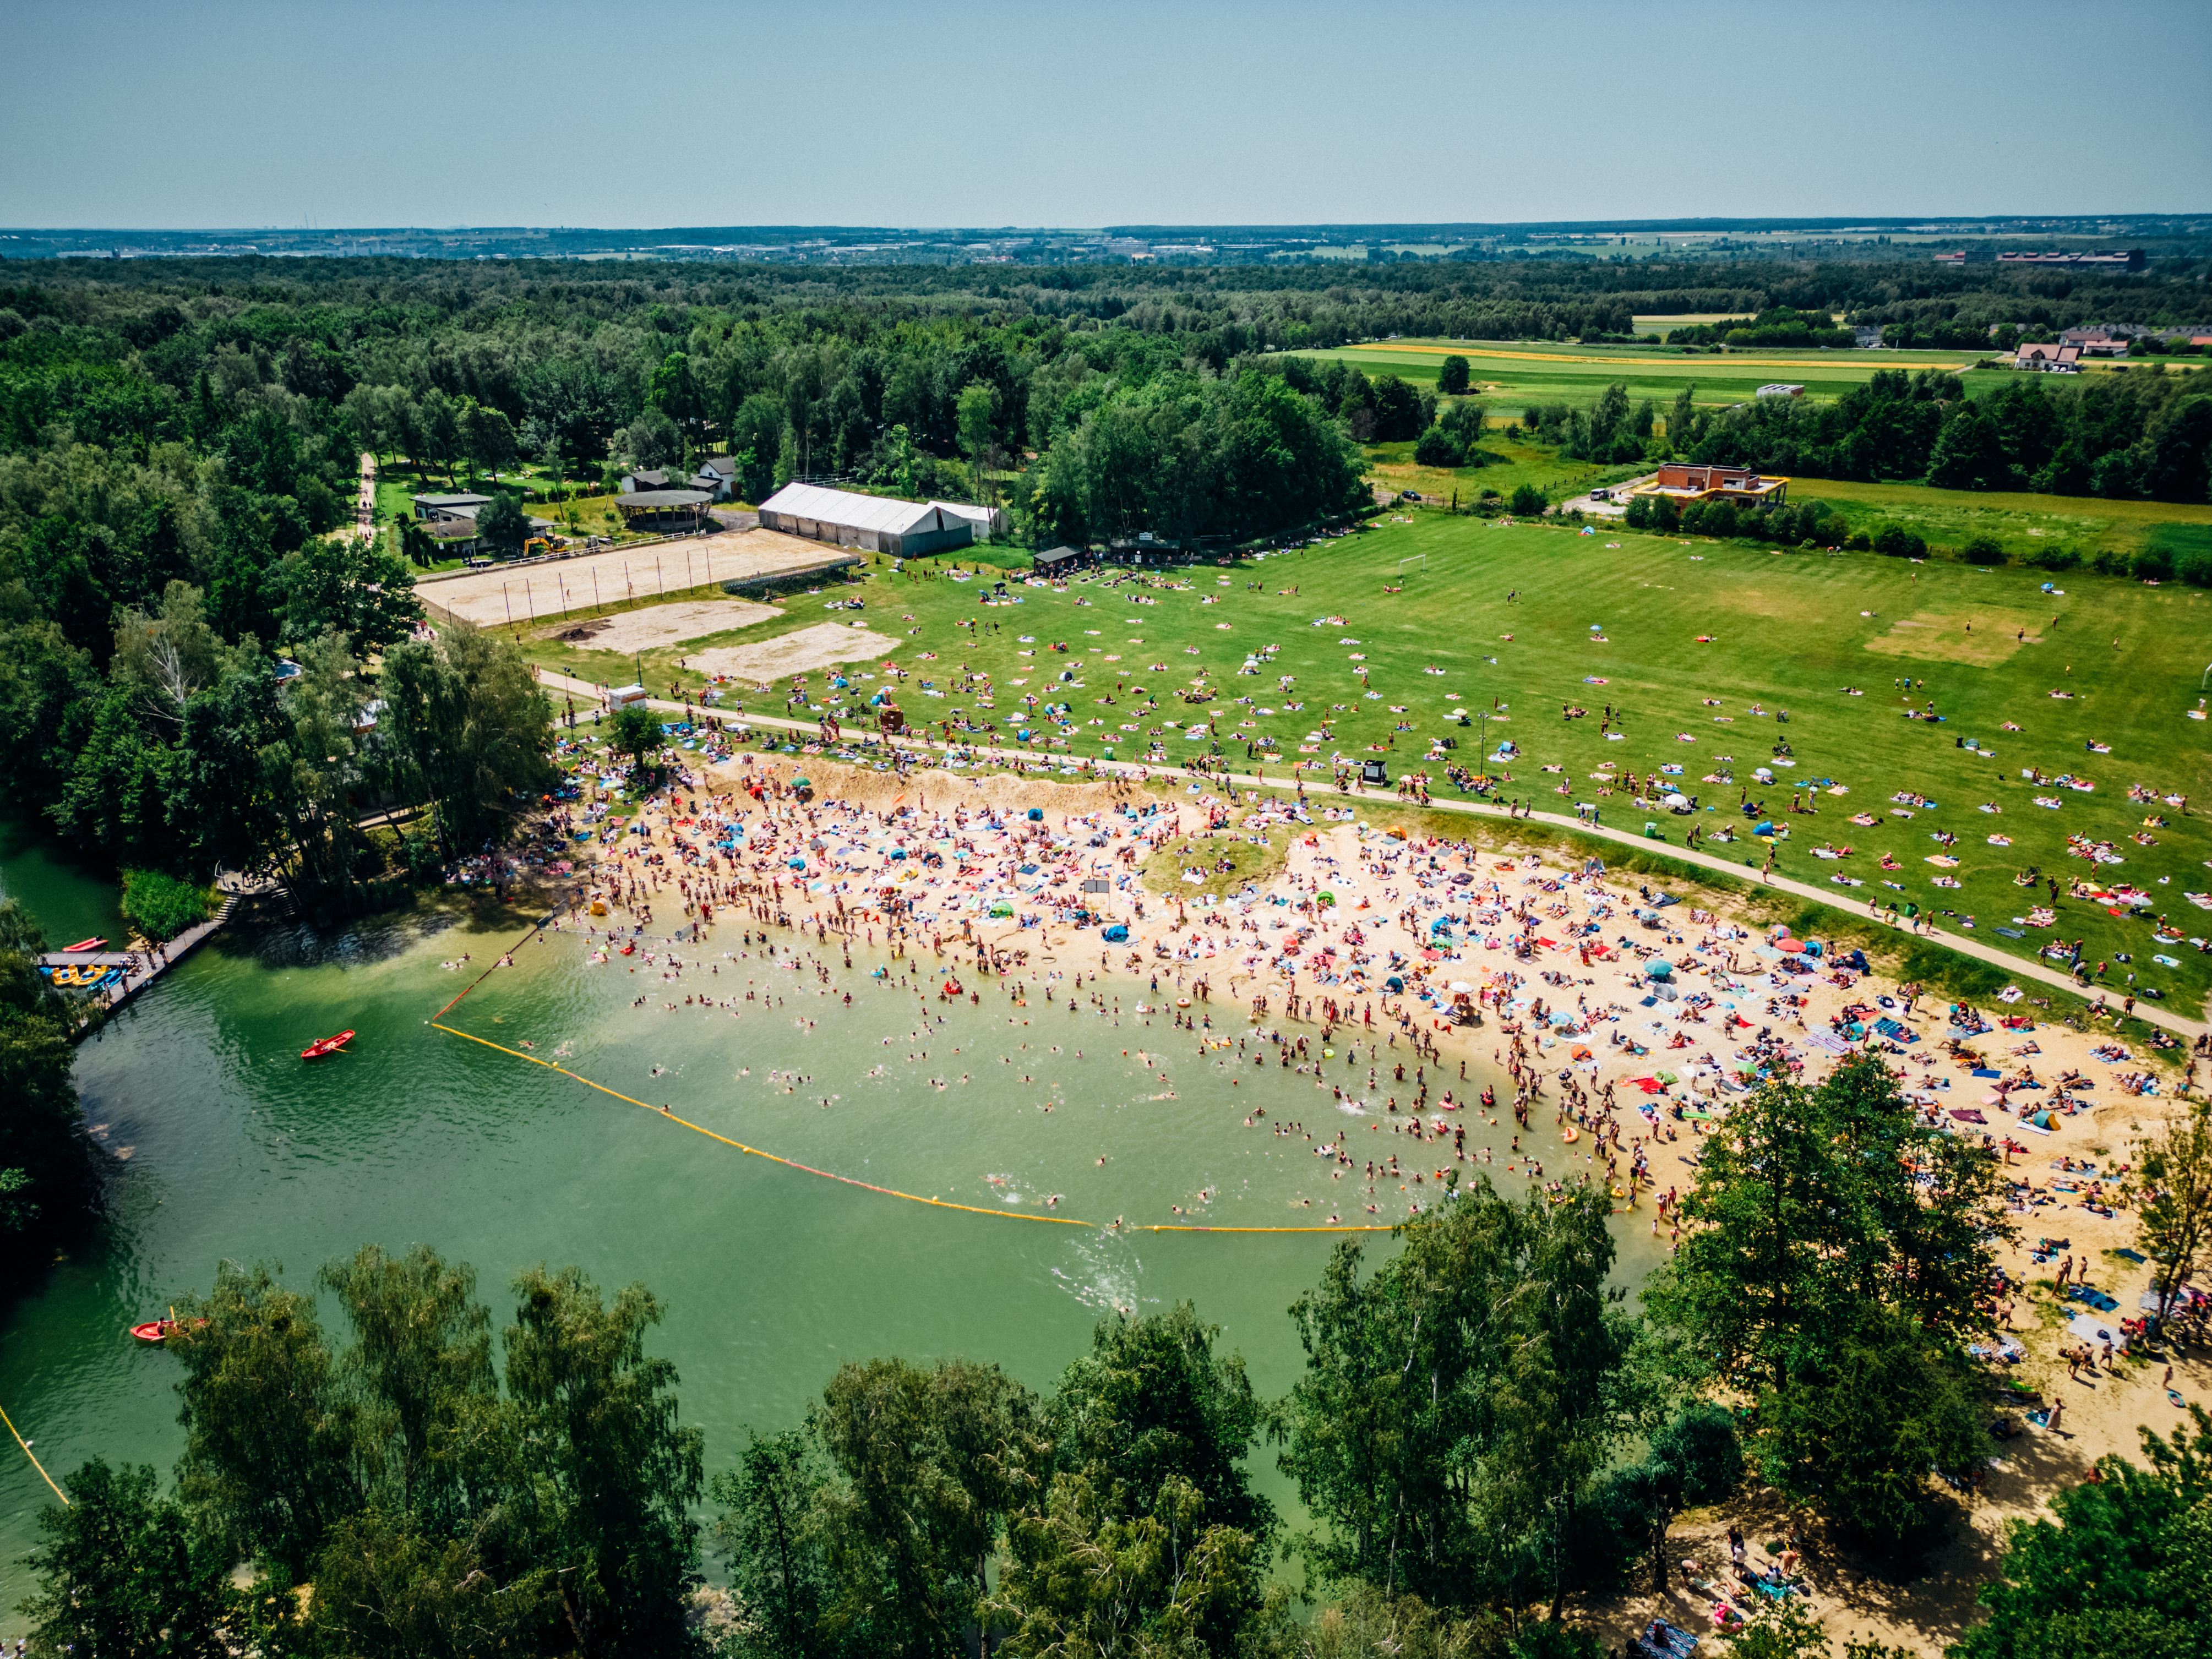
x=1965 y=945
x=364 y=511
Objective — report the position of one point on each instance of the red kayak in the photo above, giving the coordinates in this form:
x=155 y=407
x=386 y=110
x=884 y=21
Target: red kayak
x=329 y=1045
x=85 y=944
x=160 y=1330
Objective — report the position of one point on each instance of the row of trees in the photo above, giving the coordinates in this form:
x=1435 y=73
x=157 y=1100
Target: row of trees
x=46 y=1169
x=1808 y=524
x=189 y=753
x=2144 y=433
x=1481 y=1429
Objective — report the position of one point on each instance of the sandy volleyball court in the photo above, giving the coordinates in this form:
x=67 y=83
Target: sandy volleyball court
x=543 y=593
x=659 y=625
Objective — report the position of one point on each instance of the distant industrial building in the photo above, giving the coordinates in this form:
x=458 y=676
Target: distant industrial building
x=879 y=524
x=2105 y=259
x=1781 y=389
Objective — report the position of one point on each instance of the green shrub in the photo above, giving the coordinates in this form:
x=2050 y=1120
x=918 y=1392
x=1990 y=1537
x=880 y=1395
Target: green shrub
x=1984 y=550
x=2055 y=558
x=1526 y=501
x=637 y=731
x=1439 y=447
x=2197 y=569
x=162 y=905
x=1858 y=543
x=2155 y=563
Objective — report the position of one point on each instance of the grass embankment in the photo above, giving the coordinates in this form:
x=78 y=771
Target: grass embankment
x=1784 y=632
x=1225 y=859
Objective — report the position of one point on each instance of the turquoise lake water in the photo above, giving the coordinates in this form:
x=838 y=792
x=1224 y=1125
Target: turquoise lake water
x=226 y=1145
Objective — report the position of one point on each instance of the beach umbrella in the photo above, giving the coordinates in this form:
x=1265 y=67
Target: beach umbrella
x=1461 y=988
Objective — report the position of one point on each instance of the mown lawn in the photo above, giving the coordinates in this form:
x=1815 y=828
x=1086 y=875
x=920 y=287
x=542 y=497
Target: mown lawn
x=1508 y=466
x=1225 y=859
x=1789 y=632
x=2024 y=525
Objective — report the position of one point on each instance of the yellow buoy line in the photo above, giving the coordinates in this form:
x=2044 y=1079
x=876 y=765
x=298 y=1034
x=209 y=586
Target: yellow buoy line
x=870 y=1186
x=35 y=1464
x=437 y=1019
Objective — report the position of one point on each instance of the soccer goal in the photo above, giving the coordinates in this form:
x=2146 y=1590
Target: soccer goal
x=1419 y=562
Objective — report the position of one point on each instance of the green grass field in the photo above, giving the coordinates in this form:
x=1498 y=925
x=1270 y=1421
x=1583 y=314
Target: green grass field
x=1515 y=463
x=2023 y=524
x=1789 y=632
x=1509 y=374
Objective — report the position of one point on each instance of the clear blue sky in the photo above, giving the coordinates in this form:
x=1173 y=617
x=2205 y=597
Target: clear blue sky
x=248 y=113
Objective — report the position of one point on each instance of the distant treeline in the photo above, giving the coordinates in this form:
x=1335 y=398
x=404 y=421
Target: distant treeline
x=2141 y=434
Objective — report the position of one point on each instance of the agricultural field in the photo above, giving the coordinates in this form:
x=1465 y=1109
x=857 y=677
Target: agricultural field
x=1696 y=649
x=1508 y=374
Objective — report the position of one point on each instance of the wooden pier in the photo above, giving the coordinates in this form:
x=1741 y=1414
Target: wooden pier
x=140 y=968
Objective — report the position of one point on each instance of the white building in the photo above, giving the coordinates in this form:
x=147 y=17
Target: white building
x=877 y=524
x=989 y=521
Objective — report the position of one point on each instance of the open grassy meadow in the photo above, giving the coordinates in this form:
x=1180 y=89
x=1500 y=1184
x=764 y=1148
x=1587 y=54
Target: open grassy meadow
x=1696 y=649
x=1511 y=373
x=1510 y=466
x=2024 y=525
